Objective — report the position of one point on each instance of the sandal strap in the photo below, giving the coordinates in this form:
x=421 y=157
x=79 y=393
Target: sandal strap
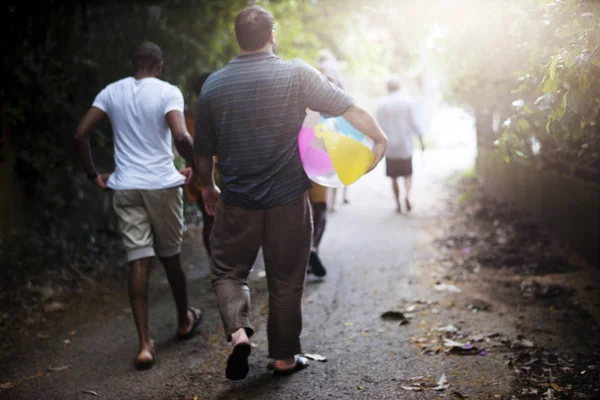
x=194 y=313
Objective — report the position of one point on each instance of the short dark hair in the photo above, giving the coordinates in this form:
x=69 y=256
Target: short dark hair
x=393 y=85
x=196 y=81
x=146 y=56
x=253 y=28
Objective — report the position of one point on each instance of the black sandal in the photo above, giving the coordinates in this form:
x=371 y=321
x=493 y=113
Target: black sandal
x=301 y=363
x=197 y=320
x=237 y=363
x=145 y=365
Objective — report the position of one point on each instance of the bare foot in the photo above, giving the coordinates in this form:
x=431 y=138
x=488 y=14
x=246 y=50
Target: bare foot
x=239 y=337
x=146 y=356
x=408 y=206
x=284 y=364
x=398 y=208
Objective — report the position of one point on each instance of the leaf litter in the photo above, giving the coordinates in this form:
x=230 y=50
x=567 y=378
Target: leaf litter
x=58 y=369
x=315 y=357
x=395 y=316
x=420 y=383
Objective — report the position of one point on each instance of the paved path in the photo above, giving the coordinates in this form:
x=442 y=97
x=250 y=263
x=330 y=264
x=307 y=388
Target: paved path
x=373 y=256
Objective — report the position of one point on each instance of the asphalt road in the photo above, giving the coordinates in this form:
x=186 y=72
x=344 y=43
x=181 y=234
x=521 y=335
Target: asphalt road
x=374 y=258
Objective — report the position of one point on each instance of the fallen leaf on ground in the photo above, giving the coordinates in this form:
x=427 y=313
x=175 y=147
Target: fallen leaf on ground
x=315 y=357
x=58 y=369
x=452 y=343
x=448 y=329
x=90 y=392
x=393 y=316
x=442 y=383
x=549 y=395
x=556 y=387
x=412 y=388
x=521 y=343
x=457 y=396
x=54 y=306
x=6 y=385
x=482 y=337
x=480 y=305
x=442 y=380
x=422 y=382
x=446 y=287
x=461 y=349
x=66 y=341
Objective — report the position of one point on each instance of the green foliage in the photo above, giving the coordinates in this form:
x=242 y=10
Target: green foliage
x=58 y=58
x=540 y=77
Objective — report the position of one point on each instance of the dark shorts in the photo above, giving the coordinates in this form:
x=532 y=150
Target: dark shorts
x=396 y=167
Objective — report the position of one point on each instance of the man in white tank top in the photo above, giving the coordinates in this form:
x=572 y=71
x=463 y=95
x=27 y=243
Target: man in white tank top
x=146 y=113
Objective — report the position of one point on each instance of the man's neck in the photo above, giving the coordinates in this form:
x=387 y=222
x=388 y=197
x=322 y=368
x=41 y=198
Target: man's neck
x=143 y=74
x=267 y=49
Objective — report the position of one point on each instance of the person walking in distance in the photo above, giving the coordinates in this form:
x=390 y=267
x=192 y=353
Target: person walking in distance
x=249 y=115
x=395 y=116
x=146 y=113
x=318 y=200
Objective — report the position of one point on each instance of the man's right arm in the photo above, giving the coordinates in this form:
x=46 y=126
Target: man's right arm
x=82 y=143
x=321 y=96
x=205 y=147
x=364 y=122
x=181 y=138
x=415 y=127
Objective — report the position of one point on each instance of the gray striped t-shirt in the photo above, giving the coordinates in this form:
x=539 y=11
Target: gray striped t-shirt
x=249 y=115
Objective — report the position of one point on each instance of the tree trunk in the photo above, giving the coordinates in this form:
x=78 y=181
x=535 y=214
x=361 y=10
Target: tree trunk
x=484 y=126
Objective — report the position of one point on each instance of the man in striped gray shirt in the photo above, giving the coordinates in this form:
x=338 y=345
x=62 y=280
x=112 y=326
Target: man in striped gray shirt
x=249 y=116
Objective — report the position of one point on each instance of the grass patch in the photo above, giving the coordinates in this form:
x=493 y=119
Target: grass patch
x=464 y=197
x=465 y=182
x=469 y=174
x=466 y=176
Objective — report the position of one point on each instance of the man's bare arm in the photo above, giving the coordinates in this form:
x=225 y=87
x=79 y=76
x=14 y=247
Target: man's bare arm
x=82 y=143
x=415 y=128
x=364 y=122
x=82 y=134
x=182 y=139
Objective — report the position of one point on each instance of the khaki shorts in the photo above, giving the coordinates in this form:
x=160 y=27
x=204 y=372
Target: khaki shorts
x=149 y=221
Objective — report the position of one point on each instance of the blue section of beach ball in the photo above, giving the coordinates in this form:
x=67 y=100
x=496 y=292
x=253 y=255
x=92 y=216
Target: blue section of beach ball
x=345 y=128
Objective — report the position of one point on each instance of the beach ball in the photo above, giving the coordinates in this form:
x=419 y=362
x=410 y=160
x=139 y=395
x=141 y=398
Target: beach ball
x=333 y=152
